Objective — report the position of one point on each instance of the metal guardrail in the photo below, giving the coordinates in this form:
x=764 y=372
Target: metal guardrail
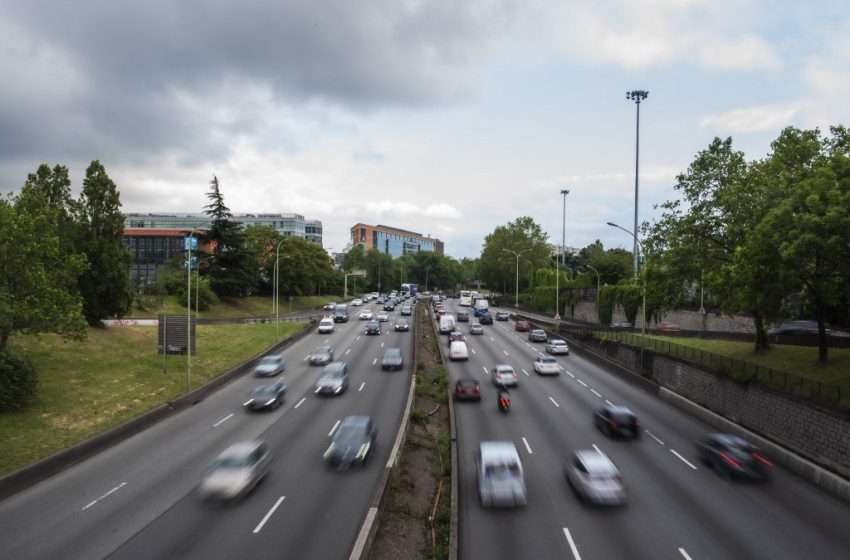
x=837 y=396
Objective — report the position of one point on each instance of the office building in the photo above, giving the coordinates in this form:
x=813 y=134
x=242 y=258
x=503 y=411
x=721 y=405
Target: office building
x=393 y=241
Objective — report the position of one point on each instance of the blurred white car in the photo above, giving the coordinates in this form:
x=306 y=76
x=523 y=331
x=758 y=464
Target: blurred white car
x=382 y=316
x=557 y=346
x=594 y=478
x=356 y=302
x=501 y=481
x=365 y=315
x=326 y=325
x=504 y=375
x=236 y=471
x=546 y=365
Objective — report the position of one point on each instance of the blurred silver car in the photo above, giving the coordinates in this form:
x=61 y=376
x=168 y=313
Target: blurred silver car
x=236 y=471
x=501 y=480
x=594 y=478
x=269 y=366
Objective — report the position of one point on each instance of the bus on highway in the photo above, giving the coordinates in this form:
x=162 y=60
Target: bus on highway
x=465 y=298
x=409 y=289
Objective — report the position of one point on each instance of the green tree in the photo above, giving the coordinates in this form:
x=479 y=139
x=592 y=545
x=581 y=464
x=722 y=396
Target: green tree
x=233 y=271
x=38 y=284
x=498 y=262
x=105 y=284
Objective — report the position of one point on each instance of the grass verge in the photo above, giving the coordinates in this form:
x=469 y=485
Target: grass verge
x=114 y=375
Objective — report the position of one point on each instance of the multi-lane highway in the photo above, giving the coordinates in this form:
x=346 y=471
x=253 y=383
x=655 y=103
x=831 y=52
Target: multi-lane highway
x=677 y=508
x=139 y=500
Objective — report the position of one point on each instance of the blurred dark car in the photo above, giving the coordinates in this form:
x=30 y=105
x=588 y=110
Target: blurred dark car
x=502 y=315
x=407 y=309
x=462 y=316
x=522 y=326
x=614 y=420
x=373 y=327
x=322 y=355
x=467 y=390
x=731 y=456
x=538 y=335
x=333 y=379
x=796 y=328
x=389 y=306
x=267 y=395
x=402 y=325
x=352 y=442
x=486 y=319
x=392 y=359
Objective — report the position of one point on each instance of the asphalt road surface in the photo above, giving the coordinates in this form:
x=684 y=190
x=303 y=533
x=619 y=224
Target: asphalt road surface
x=138 y=499
x=677 y=507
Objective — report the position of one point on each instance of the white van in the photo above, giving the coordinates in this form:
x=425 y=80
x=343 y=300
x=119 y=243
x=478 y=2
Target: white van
x=447 y=323
x=458 y=350
x=326 y=325
x=501 y=481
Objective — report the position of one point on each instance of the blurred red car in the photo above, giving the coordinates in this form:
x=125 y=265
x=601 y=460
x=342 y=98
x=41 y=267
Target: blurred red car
x=670 y=327
x=522 y=326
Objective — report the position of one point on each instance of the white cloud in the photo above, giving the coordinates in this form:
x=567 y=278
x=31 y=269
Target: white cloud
x=745 y=53
x=754 y=119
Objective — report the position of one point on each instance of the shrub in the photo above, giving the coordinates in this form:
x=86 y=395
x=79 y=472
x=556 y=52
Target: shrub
x=18 y=381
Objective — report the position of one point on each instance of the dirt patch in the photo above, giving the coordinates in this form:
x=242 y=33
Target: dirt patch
x=415 y=520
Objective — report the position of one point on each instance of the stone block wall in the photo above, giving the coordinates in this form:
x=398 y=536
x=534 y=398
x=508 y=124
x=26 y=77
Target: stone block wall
x=821 y=435
x=687 y=320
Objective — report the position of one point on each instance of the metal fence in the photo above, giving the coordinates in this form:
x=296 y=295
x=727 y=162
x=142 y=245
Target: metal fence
x=837 y=396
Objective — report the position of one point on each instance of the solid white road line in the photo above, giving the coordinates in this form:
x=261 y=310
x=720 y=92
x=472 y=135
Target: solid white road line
x=259 y=527
x=361 y=386
x=528 y=447
x=596 y=393
x=334 y=428
x=572 y=544
x=673 y=451
x=93 y=502
x=347 y=352
x=223 y=420
x=582 y=382
x=684 y=554
x=554 y=402
x=653 y=437
x=375 y=361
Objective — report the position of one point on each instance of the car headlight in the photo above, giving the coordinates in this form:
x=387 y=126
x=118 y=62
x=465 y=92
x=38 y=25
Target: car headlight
x=329 y=451
x=270 y=401
x=361 y=453
x=249 y=401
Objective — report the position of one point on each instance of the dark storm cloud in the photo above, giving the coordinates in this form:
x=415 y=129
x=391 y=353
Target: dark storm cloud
x=128 y=80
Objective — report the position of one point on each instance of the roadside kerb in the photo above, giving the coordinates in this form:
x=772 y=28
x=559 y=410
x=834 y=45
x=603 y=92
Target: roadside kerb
x=369 y=527
x=45 y=468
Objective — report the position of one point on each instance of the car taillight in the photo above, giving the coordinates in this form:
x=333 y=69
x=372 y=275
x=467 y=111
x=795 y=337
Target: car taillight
x=614 y=424
x=763 y=459
x=729 y=460
x=476 y=390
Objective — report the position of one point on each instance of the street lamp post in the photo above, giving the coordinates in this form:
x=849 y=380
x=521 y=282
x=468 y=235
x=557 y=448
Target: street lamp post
x=198 y=285
x=516 y=287
x=564 y=192
x=643 y=305
x=189 y=241
x=637 y=96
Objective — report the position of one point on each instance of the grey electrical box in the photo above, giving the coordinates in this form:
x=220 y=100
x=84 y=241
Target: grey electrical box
x=173 y=337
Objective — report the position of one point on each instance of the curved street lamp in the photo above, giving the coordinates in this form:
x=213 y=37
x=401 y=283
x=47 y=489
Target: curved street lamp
x=637 y=96
x=276 y=291
x=643 y=305
x=516 y=287
x=597 y=289
x=189 y=241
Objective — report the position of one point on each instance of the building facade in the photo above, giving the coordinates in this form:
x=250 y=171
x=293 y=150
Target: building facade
x=393 y=241
x=153 y=239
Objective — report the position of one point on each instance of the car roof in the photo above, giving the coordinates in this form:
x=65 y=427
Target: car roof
x=557 y=341
x=595 y=461
x=504 y=367
x=499 y=450
x=352 y=421
x=240 y=449
x=323 y=348
x=544 y=358
x=468 y=381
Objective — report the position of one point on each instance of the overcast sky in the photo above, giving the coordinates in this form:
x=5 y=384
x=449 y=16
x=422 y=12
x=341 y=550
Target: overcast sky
x=448 y=118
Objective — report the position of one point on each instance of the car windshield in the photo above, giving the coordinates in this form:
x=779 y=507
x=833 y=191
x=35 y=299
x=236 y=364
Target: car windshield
x=349 y=435
x=547 y=360
x=501 y=471
x=231 y=463
x=332 y=375
x=269 y=361
x=263 y=389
